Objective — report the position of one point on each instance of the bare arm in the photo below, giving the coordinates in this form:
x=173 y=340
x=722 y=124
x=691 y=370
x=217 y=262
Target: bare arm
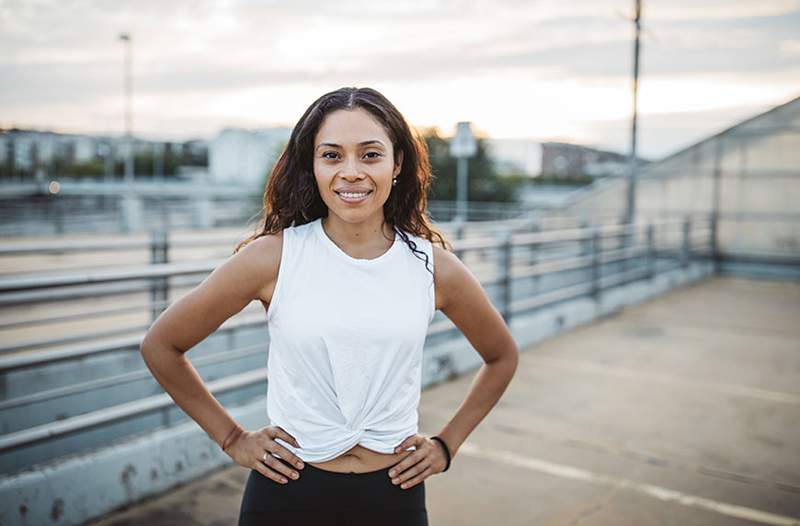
x=189 y=320
x=462 y=299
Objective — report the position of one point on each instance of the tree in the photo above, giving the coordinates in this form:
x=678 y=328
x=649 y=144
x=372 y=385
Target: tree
x=485 y=184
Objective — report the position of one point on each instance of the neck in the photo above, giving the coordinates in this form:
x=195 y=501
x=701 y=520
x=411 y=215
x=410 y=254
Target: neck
x=370 y=232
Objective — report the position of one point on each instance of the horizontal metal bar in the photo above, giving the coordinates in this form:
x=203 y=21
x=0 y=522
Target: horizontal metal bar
x=156 y=270
x=29 y=345
x=120 y=379
x=550 y=297
x=23 y=360
x=159 y=402
x=109 y=415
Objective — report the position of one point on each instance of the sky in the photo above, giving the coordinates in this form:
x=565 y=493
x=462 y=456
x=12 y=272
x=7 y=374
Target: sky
x=536 y=69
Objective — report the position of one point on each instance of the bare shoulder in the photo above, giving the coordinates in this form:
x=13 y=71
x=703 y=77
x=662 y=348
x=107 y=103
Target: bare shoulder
x=265 y=253
x=449 y=272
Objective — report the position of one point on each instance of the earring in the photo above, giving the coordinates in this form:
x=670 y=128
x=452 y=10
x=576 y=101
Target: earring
x=394 y=181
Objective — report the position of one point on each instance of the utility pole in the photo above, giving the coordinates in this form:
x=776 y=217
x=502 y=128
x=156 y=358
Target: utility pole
x=632 y=161
x=128 y=75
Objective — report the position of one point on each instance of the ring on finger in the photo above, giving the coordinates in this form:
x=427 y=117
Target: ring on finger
x=264 y=458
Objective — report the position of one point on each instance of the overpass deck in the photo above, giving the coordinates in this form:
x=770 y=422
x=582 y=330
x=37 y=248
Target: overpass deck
x=682 y=410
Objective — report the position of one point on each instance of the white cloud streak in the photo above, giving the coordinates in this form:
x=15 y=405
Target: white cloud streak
x=516 y=68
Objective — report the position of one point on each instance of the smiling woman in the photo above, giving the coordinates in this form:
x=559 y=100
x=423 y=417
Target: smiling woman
x=343 y=262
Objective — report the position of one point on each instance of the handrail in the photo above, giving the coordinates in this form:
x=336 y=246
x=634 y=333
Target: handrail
x=588 y=237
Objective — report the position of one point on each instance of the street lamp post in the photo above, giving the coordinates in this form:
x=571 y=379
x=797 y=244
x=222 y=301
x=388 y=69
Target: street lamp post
x=630 y=210
x=462 y=147
x=128 y=75
x=133 y=219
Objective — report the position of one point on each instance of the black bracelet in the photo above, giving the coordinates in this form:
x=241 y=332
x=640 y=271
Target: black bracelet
x=446 y=451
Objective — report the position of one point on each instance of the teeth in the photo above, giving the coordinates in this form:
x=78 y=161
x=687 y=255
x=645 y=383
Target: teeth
x=353 y=195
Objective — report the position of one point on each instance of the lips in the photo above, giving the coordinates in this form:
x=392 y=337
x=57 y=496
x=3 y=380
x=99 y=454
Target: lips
x=355 y=197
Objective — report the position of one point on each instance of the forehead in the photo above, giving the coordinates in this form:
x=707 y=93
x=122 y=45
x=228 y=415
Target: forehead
x=350 y=127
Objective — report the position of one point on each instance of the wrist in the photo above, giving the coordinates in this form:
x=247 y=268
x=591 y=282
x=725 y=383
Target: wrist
x=446 y=449
x=451 y=442
x=232 y=437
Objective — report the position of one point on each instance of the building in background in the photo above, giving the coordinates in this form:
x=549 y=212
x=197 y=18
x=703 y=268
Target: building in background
x=516 y=156
x=24 y=150
x=243 y=156
x=555 y=160
x=561 y=159
x=26 y=154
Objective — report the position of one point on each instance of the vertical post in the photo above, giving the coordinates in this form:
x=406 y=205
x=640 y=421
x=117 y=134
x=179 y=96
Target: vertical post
x=461 y=229
x=506 y=248
x=158 y=161
x=462 y=194
x=458 y=233
x=585 y=244
x=159 y=287
x=687 y=242
x=625 y=241
x=58 y=207
x=595 y=275
x=129 y=169
x=715 y=205
x=533 y=254
x=650 y=254
x=632 y=165
x=462 y=146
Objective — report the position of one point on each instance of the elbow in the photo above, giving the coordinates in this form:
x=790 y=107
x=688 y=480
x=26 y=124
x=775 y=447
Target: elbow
x=511 y=358
x=146 y=346
x=150 y=347
x=508 y=359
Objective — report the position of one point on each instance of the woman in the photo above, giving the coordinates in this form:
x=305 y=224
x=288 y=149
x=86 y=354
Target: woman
x=343 y=263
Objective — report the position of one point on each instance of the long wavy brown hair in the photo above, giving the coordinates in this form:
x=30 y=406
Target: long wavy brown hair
x=291 y=196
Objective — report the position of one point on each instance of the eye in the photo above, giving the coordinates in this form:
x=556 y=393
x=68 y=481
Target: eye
x=325 y=154
x=376 y=155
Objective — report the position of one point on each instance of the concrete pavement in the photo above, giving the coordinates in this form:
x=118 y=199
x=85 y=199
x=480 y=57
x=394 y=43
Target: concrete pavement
x=682 y=410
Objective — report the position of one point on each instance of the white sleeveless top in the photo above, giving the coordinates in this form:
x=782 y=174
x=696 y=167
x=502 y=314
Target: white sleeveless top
x=346 y=340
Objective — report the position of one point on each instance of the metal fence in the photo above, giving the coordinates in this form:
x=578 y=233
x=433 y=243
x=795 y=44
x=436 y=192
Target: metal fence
x=33 y=212
x=66 y=393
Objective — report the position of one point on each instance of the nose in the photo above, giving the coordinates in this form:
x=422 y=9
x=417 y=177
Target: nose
x=350 y=167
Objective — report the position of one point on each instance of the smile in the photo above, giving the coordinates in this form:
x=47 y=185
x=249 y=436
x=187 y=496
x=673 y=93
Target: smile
x=353 y=197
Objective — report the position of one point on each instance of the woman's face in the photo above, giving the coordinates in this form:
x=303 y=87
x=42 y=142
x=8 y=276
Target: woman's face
x=354 y=156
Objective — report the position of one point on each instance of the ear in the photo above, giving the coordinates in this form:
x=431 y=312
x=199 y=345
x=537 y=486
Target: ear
x=399 y=165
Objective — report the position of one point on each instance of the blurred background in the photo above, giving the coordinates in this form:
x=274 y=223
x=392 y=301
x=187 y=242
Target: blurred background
x=621 y=175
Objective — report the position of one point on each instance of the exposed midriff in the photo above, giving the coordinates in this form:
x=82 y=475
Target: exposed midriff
x=359 y=459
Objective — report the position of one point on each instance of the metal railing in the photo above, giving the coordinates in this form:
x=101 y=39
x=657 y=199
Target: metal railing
x=521 y=271
x=87 y=210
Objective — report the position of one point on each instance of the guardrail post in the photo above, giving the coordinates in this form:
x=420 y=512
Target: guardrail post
x=458 y=234
x=460 y=229
x=58 y=208
x=714 y=241
x=505 y=268
x=625 y=243
x=533 y=260
x=650 y=253
x=686 y=249
x=595 y=253
x=159 y=287
x=586 y=243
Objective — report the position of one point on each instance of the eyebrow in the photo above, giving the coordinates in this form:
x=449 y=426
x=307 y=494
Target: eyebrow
x=362 y=143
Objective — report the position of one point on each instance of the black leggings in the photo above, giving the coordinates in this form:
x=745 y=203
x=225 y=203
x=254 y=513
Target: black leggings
x=331 y=498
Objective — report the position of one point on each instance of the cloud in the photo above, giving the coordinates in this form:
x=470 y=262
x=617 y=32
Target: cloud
x=62 y=59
